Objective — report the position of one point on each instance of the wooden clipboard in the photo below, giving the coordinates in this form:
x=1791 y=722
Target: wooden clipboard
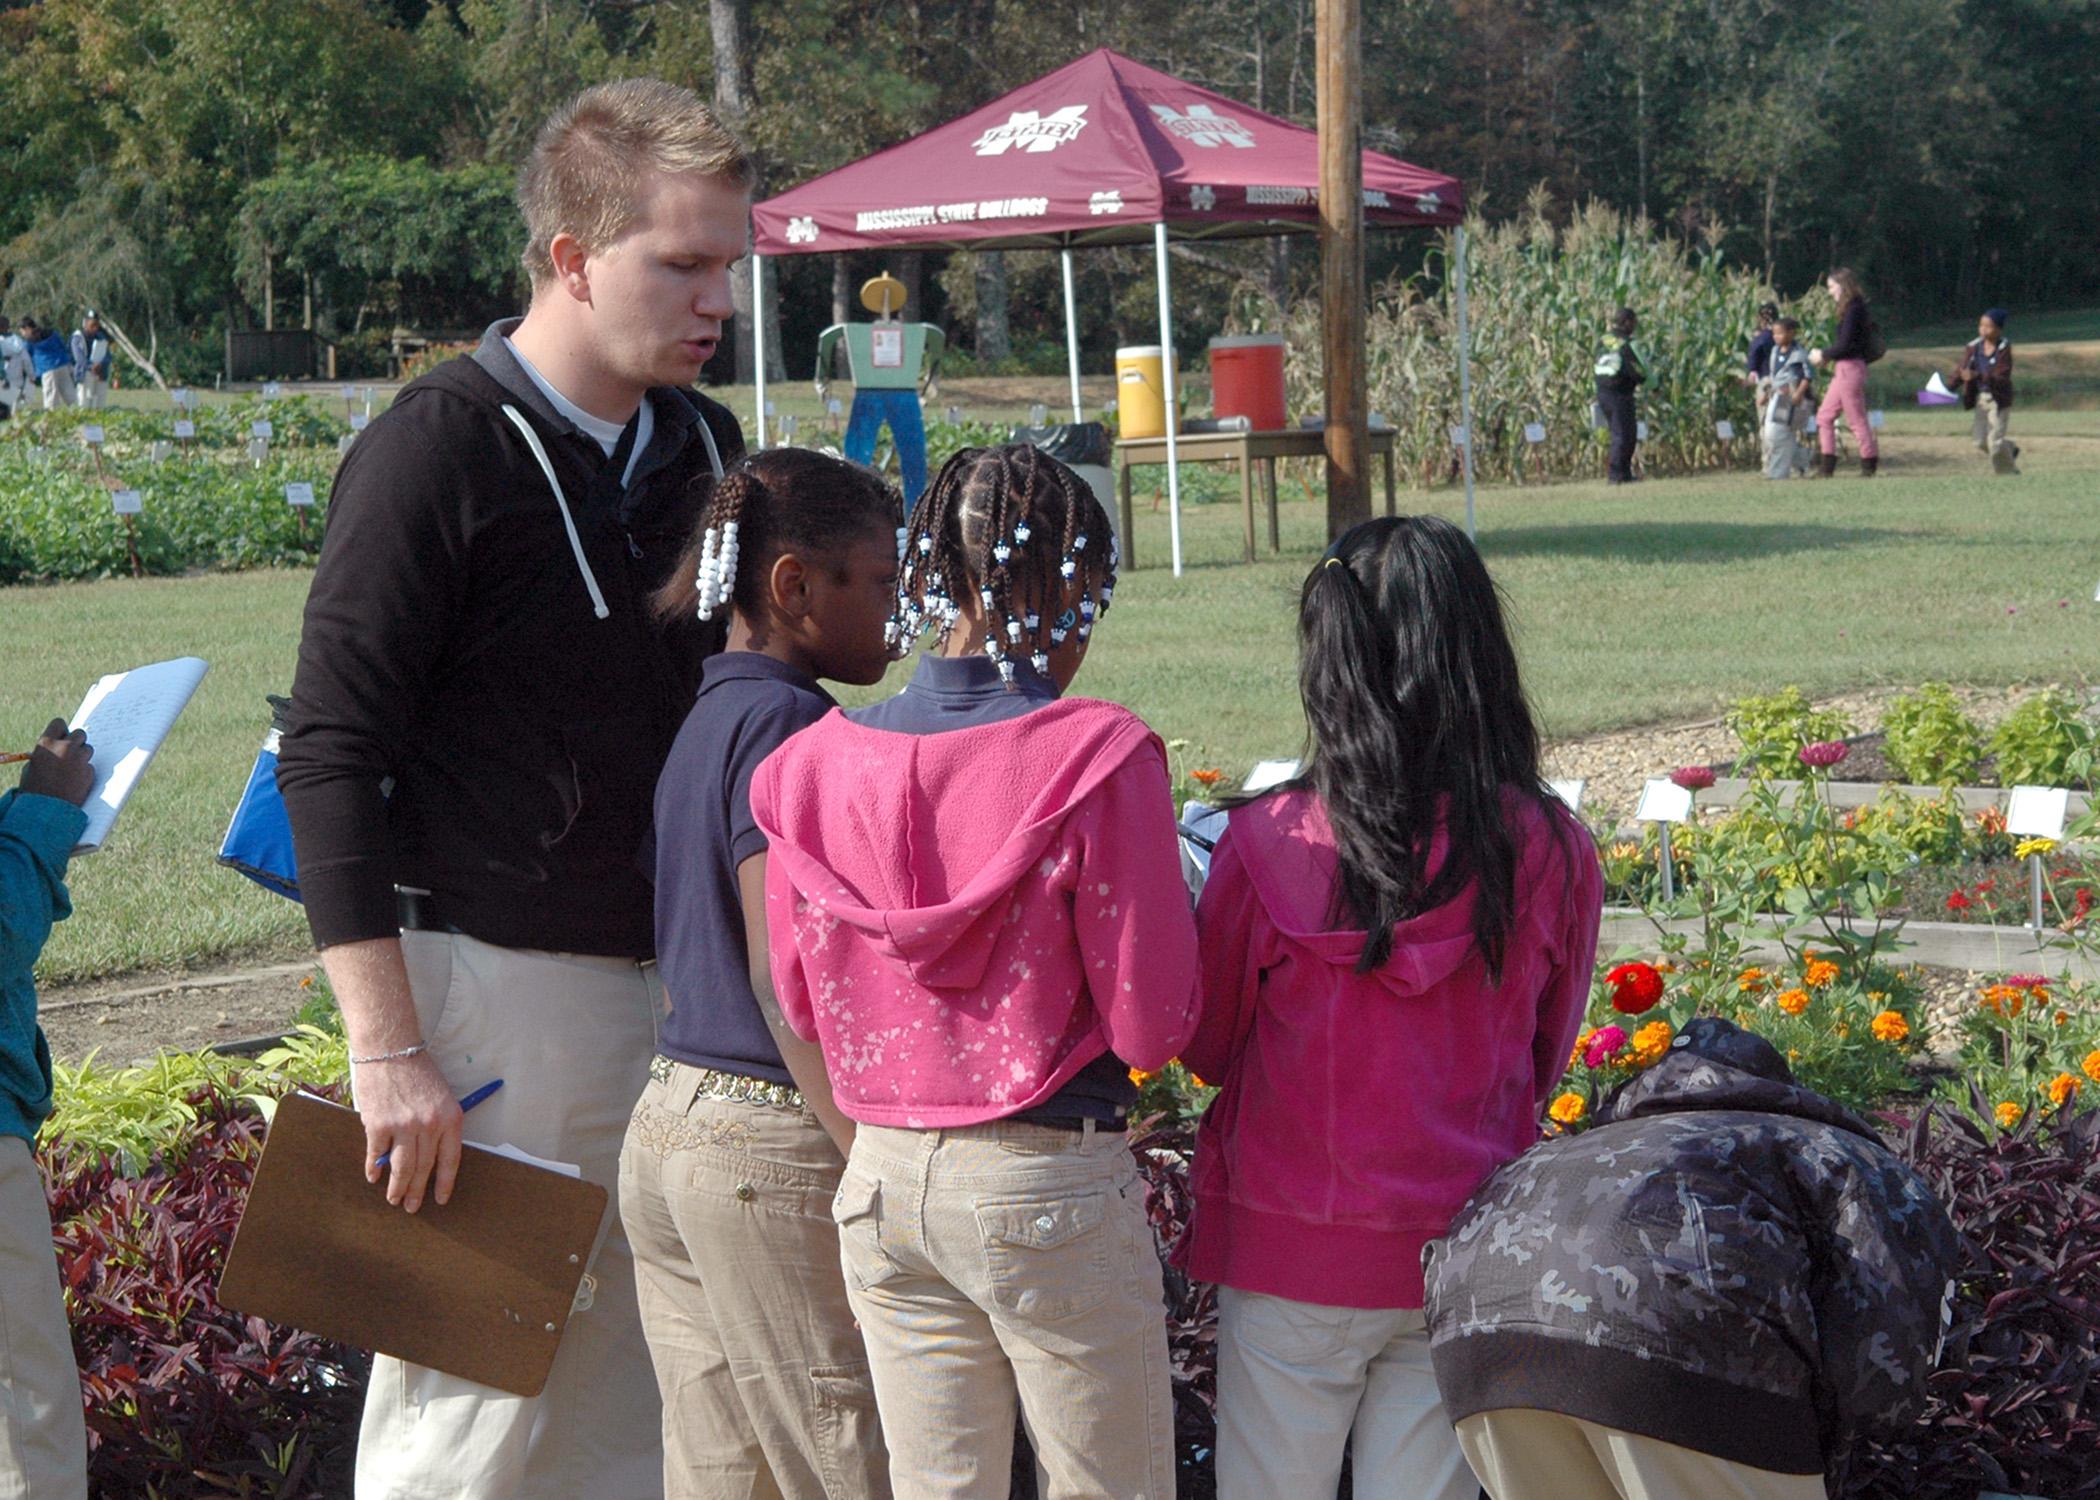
x=480 y=1287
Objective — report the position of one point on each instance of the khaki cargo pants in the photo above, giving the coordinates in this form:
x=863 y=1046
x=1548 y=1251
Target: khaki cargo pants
x=1542 y=1455
x=1992 y=422
x=1008 y=1265
x=764 y=1378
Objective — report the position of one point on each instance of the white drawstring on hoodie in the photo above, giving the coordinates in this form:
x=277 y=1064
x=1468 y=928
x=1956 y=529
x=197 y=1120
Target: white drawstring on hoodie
x=599 y=607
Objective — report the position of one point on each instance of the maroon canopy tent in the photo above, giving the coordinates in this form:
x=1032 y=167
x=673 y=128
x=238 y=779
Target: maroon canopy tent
x=1104 y=151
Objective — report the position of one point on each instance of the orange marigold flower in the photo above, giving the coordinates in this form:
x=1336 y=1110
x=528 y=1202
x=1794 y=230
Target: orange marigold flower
x=1750 y=980
x=1582 y=1044
x=2091 y=1066
x=1140 y=1077
x=1208 y=776
x=1652 y=1041
x=2008 y=1114
x=1890 y=1026
x=1818 y=973
x=1568 y=1108
x=2004 y=1000
x=2061 y=1089
x=1793 y=1002
x=2062 y=1016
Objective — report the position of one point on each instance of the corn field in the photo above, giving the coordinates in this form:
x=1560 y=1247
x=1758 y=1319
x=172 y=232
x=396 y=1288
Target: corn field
x=1539 y=296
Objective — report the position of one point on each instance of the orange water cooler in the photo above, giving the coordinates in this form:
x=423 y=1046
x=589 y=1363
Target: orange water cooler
x=1246 y=379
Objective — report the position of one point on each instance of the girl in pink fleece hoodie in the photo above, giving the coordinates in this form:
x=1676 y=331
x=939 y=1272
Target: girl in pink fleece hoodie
x=974 y=906
x=1397 y=948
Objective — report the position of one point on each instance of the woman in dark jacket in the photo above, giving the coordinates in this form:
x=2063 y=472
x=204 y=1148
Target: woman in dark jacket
x=1619 y=372
x=1847 y=357
x=1701 y=1296
x=1984 y=375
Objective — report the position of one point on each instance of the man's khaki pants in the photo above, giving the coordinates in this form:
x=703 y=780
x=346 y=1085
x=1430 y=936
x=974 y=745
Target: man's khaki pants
x=58 y=389
x=1299 y=1382
x=93 y=392
x=1542 y=1455
x=1003 y=1264
x=571 y=1037
x=43 y=1441
x=765 y=1385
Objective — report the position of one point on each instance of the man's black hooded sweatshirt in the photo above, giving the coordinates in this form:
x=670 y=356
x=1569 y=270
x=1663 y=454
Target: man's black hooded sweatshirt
x=466 y=720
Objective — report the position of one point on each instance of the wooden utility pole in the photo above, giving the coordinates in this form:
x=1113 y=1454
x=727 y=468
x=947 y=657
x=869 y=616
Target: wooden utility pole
x=1339 y=45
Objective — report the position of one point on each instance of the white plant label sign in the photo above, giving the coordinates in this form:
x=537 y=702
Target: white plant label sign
x=182 y=397
x=92 y=435
x=2037 y=812
x=162 y=452
x=1640 y=431
x=1876 y=418
x=1569 y=790
x=1534 y=432
x=1725 y=430
x=1663 y=801
x=359 y=421
x=126 y=503
x=262 y=428
x=1458 y=435
x=185 y=428
x=272 y=390
x=299 y=493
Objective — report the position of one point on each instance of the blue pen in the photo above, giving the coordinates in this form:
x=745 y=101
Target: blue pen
x=464 y=1105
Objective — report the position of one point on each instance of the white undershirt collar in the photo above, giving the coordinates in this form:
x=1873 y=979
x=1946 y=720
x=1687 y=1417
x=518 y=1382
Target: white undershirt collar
x=605 y=434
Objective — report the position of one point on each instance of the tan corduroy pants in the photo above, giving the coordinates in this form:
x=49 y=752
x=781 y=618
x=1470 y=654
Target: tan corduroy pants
x=765 y=1384
x=43 y=1441
x=1000 y=1265
x=1542 y=1455
x=1992 y=433
x=571 y=1037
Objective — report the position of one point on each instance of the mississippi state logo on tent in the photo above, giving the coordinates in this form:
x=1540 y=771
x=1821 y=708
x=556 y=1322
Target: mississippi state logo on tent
x=1203 y=198
x=1203 y=126
x=802 y=230
x=1032 y=130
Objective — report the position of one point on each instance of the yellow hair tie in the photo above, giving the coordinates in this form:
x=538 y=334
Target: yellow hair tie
x=1332 y=562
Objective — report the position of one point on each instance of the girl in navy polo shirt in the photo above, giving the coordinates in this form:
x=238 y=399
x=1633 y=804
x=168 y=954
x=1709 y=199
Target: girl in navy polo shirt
x=735 y=1148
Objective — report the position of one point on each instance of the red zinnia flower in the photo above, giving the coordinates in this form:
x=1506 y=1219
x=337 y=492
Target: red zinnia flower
x=1635 y=987
x=1824 y=754
x=1958 y=901
x=1693 y=778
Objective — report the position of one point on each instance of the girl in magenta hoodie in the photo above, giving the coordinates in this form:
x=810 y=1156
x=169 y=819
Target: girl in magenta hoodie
x=1397 y=950
x=974 y=906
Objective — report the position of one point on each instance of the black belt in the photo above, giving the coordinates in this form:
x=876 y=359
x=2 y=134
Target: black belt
x=419 y=911
x=1070 y=1122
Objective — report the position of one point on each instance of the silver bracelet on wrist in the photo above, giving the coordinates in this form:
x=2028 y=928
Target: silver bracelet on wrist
x=379 y=1057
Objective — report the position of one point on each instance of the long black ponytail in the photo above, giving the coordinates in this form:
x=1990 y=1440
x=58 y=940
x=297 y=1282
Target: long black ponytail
x=1416 y=722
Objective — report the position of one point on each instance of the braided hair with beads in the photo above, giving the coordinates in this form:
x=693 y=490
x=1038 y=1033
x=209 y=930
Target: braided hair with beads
x=1021 y=532
x=781 y=500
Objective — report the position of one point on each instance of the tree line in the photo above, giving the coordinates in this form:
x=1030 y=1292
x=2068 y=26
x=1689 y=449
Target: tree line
x=346 y=164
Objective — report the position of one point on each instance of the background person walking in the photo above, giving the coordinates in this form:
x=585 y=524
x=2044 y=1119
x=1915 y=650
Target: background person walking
x=1857 y=345
x=1620 y=372
x=91 y=360
x=1984 y=373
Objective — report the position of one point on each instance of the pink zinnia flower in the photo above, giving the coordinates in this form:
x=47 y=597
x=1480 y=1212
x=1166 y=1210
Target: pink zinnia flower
x=2027 y=981
x=1693 y=778
x=1824 y=754
x=1606 y=1041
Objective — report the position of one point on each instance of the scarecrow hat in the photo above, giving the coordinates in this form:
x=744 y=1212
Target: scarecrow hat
x=882 y=295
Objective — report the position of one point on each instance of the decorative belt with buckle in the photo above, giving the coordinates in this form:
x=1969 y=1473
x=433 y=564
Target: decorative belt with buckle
x=735 y=1087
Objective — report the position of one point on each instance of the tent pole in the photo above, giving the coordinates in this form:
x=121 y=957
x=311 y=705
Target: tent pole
x=1072 y=335
x=1465 y=379
x=1166 y=367
x=758 y=338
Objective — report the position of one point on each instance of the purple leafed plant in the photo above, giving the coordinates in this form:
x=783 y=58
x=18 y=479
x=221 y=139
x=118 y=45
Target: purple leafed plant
x=2015 y=1400
x=182 y=1396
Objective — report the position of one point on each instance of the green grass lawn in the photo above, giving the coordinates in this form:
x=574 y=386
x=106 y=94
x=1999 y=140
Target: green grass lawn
x=1659 y=602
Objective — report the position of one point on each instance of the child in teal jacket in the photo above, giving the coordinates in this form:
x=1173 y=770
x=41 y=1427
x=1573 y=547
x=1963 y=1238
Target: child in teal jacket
x=43 y=1441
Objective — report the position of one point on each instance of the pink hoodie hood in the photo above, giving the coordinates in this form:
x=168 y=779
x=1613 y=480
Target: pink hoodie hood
x=955 y=916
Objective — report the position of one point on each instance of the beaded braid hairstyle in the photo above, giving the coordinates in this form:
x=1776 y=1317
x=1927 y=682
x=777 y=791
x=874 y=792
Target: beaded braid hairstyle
x=1017 y=528
x=781 y=500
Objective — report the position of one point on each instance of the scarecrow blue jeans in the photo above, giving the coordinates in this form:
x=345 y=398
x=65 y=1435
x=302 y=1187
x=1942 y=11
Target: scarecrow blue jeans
x=900 y=409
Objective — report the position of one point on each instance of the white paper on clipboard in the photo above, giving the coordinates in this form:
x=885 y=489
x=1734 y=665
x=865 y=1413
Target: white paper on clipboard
x=127 y=715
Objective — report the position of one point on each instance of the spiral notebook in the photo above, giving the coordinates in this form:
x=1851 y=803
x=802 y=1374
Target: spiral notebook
x=127 y=716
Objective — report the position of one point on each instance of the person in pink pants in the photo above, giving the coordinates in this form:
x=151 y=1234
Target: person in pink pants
x=1847 y=358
